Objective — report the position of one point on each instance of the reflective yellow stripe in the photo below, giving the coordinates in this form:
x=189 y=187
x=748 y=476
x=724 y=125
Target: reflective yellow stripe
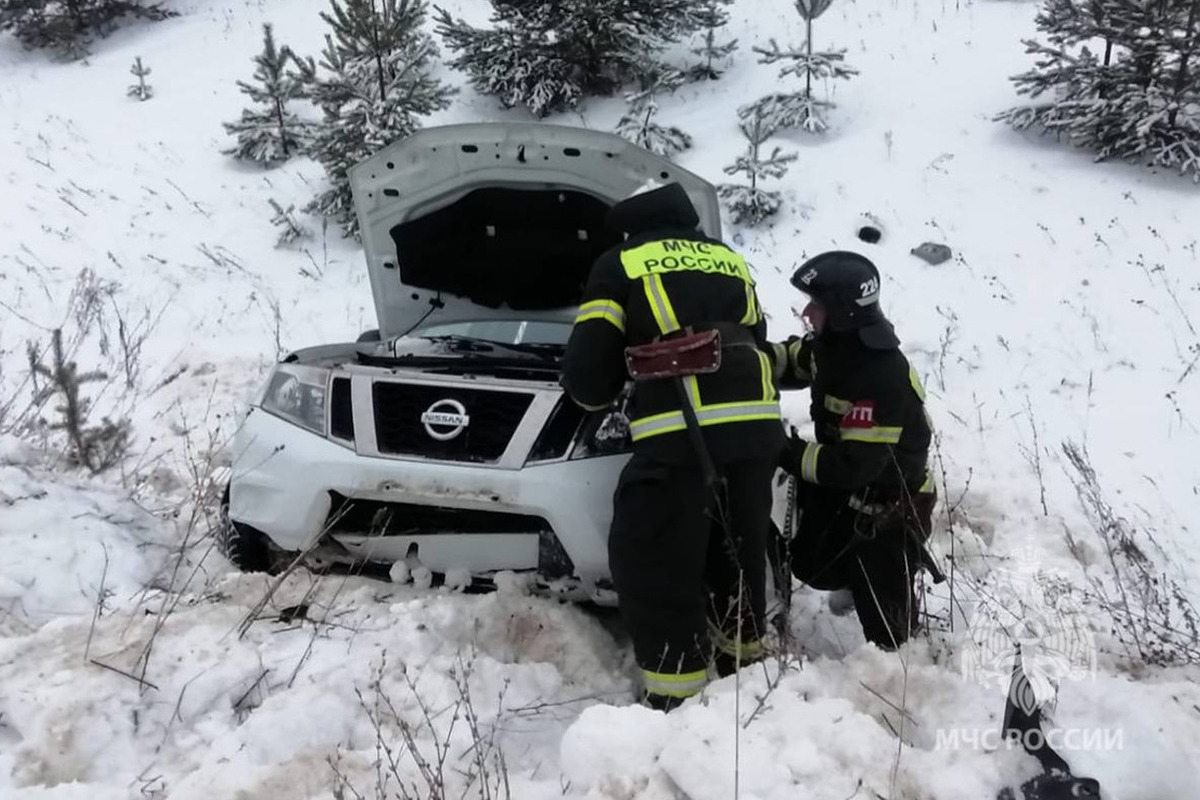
x=656 y=418
x=676 y=423
x=751 y=316
x=808 y=464
x=743 y=651
x=680 y=255
x=837 y=405
x=608 y=310
x=715 y=414
x=768 y=377
x=619 y=322
x=660 y=304
x=800 y=371
x=781 y=358
x=872 y=435
x=675 y=684
x=915 y=381
x=928 y=486
x=664 y=316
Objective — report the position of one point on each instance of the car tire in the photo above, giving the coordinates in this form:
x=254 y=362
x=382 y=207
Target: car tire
x=246 y=548
x=368 y=336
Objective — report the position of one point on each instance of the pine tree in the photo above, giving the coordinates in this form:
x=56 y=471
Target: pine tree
x=1137 y=100
x=638 y=125
x=712 y=16
x=69 y=27
x=285 y=220
x=94 y=447
x=141 y=90
x=270 y=133
x=751 y=205
x=1067 y=69
x=376 y=83
x=547 y=56
x=800 y=109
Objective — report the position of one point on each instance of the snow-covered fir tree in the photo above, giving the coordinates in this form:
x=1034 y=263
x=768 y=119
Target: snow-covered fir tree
x=290 y=229
x=749 y=204
x=712 y=50
x=141 y=90
x=1118 y=77
x=269 y=133
x=546 y=56
x=68 y=27
x=785 y=110
x=375 y=83
x=638 y=124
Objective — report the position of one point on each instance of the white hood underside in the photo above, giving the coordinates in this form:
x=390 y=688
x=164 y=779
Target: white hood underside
x=436 y=167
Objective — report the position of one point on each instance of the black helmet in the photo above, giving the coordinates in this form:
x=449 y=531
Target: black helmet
x=847 y=285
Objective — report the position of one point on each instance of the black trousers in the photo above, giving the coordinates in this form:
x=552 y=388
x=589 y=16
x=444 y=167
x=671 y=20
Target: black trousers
x=681 y=562
x=874 y=555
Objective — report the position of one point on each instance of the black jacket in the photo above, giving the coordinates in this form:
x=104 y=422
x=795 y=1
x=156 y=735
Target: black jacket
x=668 y=275
x=868 y=407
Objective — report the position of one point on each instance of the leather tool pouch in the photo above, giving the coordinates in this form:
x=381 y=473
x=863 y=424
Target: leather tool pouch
x=674 y=356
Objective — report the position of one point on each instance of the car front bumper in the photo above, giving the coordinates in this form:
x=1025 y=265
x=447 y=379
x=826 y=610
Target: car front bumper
x=283 y=477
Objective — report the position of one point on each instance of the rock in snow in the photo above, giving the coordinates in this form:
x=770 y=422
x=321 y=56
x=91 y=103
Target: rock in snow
x=932 y=252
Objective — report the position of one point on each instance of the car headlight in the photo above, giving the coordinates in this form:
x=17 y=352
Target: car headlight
x=296 y=392
x=605 y=434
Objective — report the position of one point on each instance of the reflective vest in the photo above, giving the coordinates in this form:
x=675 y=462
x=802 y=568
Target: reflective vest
x=652 y=287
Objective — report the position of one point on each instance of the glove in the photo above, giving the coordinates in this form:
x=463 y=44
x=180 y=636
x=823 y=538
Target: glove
x=793 y=453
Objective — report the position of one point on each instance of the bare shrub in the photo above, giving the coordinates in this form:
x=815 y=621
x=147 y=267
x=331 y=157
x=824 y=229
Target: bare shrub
x=1149 y=611
x=444 y=769
x=180 y=576
x=132 y=334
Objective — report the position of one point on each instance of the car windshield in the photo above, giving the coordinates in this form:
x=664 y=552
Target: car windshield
x=503 y=331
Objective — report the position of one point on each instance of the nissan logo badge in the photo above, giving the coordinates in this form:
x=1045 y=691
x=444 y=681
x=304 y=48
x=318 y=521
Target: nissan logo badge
x=445 y=419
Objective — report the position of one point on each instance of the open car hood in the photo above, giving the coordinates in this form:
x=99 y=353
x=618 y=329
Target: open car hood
x=497 y=220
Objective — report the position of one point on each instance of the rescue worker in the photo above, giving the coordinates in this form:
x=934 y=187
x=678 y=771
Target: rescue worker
x=687 y=558
x=864 y=493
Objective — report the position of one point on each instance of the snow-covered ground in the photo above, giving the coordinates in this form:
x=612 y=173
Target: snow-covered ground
x=1067 y=315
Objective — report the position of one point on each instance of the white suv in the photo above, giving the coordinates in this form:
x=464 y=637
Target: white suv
x=443 y=439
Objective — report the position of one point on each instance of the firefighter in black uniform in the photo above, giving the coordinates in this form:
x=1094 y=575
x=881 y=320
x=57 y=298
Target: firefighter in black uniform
x=864 y=493
x=687 y=557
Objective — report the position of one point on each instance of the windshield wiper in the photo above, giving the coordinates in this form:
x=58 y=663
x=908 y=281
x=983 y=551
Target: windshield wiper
x=548 y=351
x=462 y=343
x=465 y=361
x=544 y=351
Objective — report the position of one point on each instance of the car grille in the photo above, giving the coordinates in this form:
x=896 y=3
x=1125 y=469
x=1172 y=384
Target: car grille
x=493 y=417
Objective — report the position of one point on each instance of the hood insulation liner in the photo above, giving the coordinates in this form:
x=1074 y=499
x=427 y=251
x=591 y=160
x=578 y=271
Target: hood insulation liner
x=528 y=249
